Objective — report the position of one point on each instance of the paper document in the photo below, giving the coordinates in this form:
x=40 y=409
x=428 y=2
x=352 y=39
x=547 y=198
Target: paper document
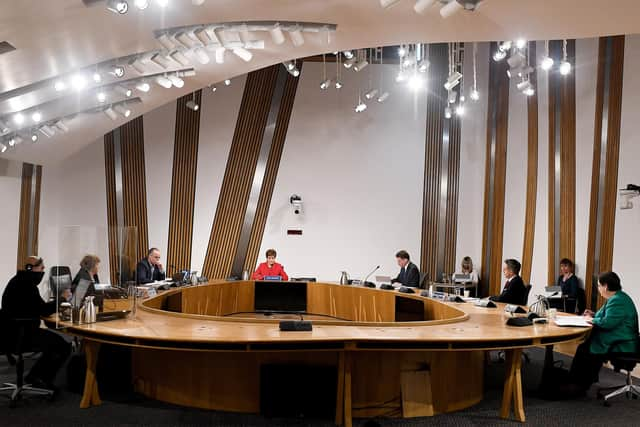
x=571 y=321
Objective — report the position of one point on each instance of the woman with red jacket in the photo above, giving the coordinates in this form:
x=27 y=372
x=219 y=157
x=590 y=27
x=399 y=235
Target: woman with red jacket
x=270 y=268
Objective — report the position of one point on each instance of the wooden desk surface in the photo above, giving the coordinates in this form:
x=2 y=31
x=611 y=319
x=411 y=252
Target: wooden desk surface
x=477 y=328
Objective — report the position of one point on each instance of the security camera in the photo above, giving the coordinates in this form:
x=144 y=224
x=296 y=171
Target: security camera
x=626 y=194
x=296 y=204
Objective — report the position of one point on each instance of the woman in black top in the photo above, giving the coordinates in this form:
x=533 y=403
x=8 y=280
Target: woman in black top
x=568 y=282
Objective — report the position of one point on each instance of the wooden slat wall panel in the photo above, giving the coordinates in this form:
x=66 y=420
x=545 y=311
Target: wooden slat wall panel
x=134 y=192
x=240 y=169
x=436 y=102
x=453 y=185
x=532 y=175
x=607 y=207
x=567 y=169
x=112 y=216
x=183 y=184
x=25 y=241
x=271 y=173
x=495 y=175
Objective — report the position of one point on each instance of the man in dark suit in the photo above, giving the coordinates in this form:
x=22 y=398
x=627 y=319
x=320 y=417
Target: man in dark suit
x=150 y=269
x=409 y=274
x=514 y=291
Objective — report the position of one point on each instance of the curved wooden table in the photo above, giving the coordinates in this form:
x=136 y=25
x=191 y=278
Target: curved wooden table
x=215 y=347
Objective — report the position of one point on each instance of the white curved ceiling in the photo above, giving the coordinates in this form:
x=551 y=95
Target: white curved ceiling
x=58 y=37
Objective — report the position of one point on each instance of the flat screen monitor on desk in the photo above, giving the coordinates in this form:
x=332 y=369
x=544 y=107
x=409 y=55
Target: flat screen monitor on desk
x=272 y=296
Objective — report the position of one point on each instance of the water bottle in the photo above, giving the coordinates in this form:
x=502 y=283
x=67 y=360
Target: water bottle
x=245 y=275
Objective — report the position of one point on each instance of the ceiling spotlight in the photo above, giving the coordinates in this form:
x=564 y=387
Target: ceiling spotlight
x=179 y=58
x=546 y=63
x=408 y=61
x=118 y=6
x=325 y=84
x=12 y=142
x=123 y=90
x=141 y=4
x=101 y=96
x=530 y=91
x=423 y=65
x=3 y=148
x=460 y=110
x=59 y=86
x=416 y=82
x=123 y=109
x=243 y=54
x=192 y=105
x=277 y=36
x=47 y=131
x=244 y=34
x=450 y=9
x=293 y=71
x=525 y=84
x=521 y=43
x=402 y=76
x=220 y=55
x=349 y=62
x=447 y=113
x=499 y=55
x=295 y=34
x=176 y=81
x=360 y=65
x=160 y=61
x=138 y=65
x=202 y=56
x=185 y=40
x=4 y=128
x=517 y=60
x=165 y=41
x=162 y=3
x=97 y=78
x=383 y=97
x=78 y=82
x=453 y=80
x=360 y=107
x=164 y=82
x=421 y=6
x=505 y=46
x=371 y=94
x=474 y=95
x=36 y=117
x=34 y=137
x=118 y=71
x=213 y=88
x=388 y=3
x=143 y=87
x=110 y=113
x=402 y=52
x=289 y=65
x=565 y=67
x=348 y=54
x=452 y=96
x=227 y=82
x=18 y=118
x=202 y=35
x=62 y=126
x=338 y=84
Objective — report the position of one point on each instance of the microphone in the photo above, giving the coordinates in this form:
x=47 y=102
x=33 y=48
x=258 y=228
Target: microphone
x=369 y=275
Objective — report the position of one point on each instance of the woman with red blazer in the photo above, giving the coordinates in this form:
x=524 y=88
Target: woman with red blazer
x=270 y=268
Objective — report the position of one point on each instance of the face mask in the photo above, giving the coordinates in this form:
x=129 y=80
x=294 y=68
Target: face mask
x=36 y=276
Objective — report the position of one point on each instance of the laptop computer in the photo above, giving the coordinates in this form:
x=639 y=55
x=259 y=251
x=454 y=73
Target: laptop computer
x=81 y=292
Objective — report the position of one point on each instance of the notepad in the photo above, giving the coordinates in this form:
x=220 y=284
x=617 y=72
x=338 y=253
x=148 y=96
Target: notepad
x=574 y=321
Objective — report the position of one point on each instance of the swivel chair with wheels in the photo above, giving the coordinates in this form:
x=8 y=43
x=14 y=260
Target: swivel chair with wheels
x=14 y=345
x=622 y=362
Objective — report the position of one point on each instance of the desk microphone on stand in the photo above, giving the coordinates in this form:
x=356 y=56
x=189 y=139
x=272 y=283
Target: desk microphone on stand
x=370 y=284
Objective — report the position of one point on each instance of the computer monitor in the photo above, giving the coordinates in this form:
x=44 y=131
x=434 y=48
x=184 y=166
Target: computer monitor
x=287 y=297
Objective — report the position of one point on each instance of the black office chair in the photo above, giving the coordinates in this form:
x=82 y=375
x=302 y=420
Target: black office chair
x=622 y=362
x=575 y=305
x=525 y=300
x=423 y=279
x=59 y=279
x=14 y=340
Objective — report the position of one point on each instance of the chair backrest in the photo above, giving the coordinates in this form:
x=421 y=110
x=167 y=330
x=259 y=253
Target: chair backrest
x=581 y=300
x=60 y=270
x=59 y=279
x=423 y=277
x=525 y=301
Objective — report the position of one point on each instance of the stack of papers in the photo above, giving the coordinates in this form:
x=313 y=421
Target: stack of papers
x=578 y=321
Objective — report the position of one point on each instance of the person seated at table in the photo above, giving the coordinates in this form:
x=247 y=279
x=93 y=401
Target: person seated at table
x=569 y=285
x=466 y=267
x=21 y=300
x=88 y=270
x=409 y=273
x=150 y=269
x=270 y=268
x=615 y=330
x=514 y=290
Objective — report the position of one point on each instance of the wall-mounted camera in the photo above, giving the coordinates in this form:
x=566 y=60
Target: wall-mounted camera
x=296 y=204
x=626 y=194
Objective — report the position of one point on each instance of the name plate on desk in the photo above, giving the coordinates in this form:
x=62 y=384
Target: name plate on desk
x=486 y=303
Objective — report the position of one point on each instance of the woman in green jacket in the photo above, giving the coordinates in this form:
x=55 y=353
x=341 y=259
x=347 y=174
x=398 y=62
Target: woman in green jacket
x=615 y=330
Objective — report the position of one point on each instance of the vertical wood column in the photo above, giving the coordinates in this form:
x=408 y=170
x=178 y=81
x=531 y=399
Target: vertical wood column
x=112 y=216
x=532 y=174
x=562 y=161
x=183 y=184
x=604 y=176
x=441 y=174
x=29 y=212
x=495 y=174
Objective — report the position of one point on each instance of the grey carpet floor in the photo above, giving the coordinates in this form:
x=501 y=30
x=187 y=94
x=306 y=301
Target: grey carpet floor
x=133 y=409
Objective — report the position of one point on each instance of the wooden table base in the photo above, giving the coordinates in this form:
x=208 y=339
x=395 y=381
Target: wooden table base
x=91 y=397
x=513 y=386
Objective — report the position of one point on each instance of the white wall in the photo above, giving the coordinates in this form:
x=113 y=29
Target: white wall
x=360 y=177
x=218 y=115
x=627 y=230
x=10 y=184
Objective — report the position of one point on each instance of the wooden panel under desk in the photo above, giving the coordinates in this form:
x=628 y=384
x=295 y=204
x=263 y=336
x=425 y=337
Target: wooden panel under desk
x=218 y=299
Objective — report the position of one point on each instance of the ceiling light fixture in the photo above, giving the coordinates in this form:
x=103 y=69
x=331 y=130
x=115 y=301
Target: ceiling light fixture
x=59 y=86
x=475 y=95
x=118 y=6
x=447 y=113
x=143 y=87
x=565 y=65
x=110 y=113
x=184 y=39
x=97 y=77
x=499 y=55
x=201 y=34
x=164 y=82
x=176 y=81
x=371 y=94
x=101 y=96
x=326 y=84
x=202 y=56
x=243 y=54
x=179 y=58
x=452 y=8
x=227 y=82
x=453 y=80
x=34 y=137
x=47 y=131
x=421 y=6
x=160 y=61
x=123 y=109
x=18 y=118
x=220 y=55
x=521 y=43
x=78 y=82
x=123 y=90
x=165 y=41
x=141 y=4
x=547 y=62
x=277 y=36
x=295 y=34
x=360 y=65
x=383 y=97
x=3 y=148
x=62 y=126
x=192 y=104
x=36 y=117
x=388 y=3
x=460 y=110
x=118 y=71
x=138 y=65
x=416 y=82
x=213 y=88
x=349 y=62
